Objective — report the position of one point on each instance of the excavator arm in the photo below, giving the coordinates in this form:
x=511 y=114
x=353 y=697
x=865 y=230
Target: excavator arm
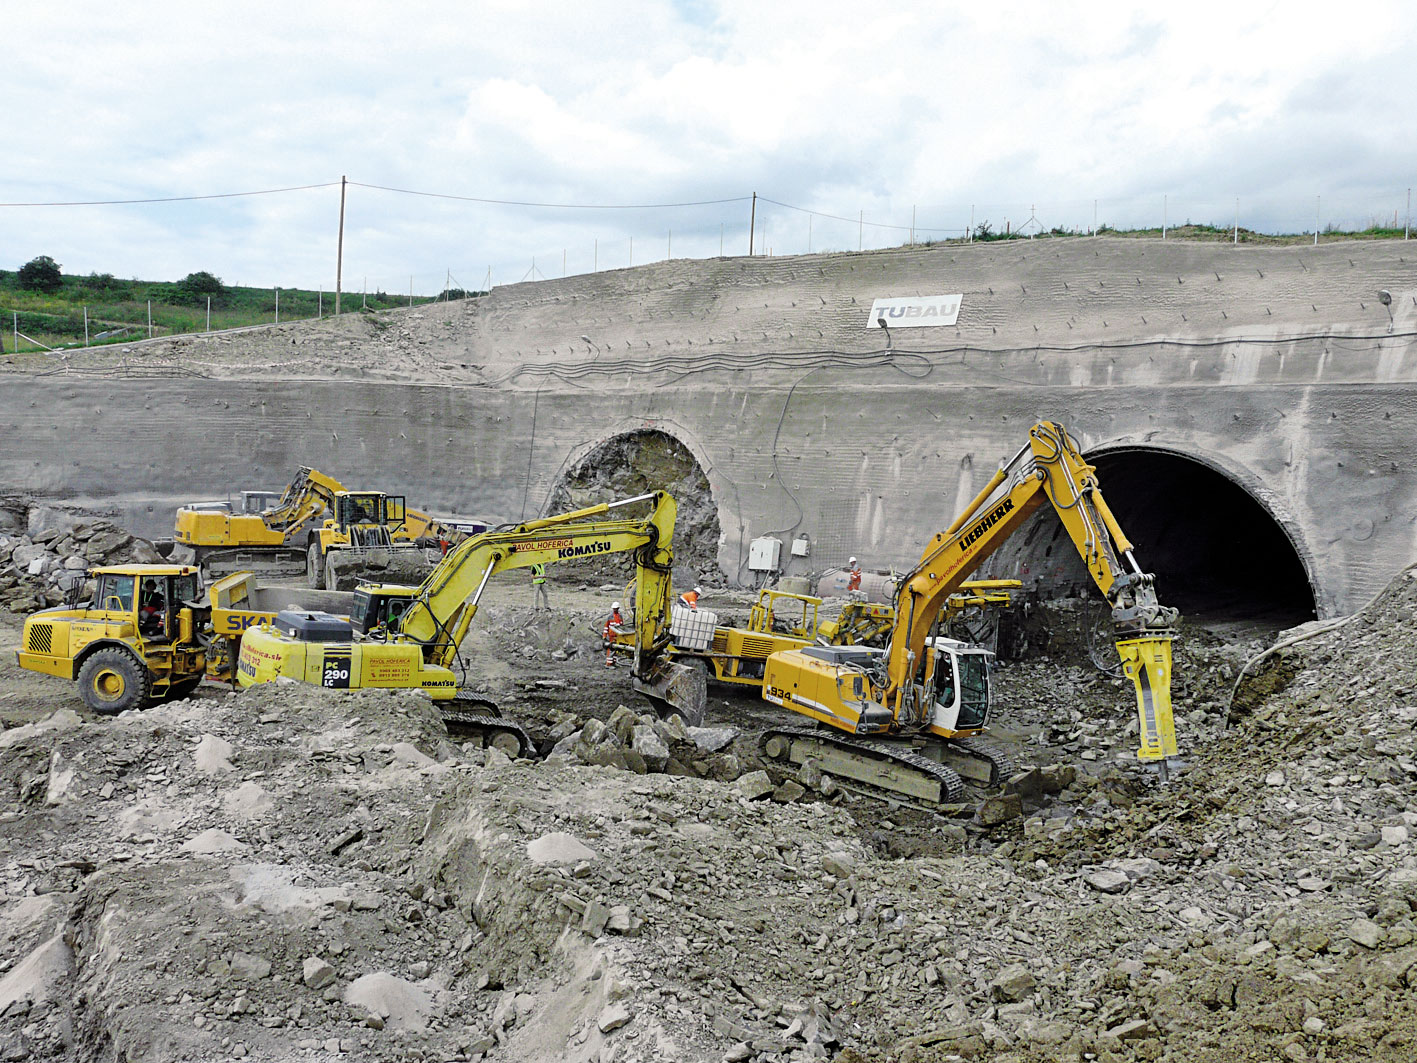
x=306 y=496
x=1048 y=470
x=443 y=607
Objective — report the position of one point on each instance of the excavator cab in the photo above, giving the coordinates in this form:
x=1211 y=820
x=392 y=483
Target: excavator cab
x=959 y=682
x=379 y=604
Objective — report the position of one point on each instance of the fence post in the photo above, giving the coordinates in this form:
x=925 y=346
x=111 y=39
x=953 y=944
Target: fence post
x=1164 y=216
x=17 y=332
x=209 y=313
x=320 y=305
x=1237 y=222
x=1407 y=225
x=1317 y=201
x=86 y=326
x=410 y=292
x=277 y=306
x=150 y=319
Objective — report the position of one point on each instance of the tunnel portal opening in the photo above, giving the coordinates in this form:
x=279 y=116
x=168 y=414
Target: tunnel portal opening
x=636 y=463
x=1218 y=555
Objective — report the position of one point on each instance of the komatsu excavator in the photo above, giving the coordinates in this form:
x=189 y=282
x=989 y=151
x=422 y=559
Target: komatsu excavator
x=907 y=719
x=369 y=524
x=408 y=637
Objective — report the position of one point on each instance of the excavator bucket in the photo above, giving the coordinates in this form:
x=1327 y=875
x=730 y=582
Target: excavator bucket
x=1147 y=662
x=678 y=688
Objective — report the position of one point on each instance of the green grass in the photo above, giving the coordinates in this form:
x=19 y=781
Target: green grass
x=57 y=320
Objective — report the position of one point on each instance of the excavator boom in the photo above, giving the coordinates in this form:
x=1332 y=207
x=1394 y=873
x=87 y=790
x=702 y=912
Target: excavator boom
x=1049 y=469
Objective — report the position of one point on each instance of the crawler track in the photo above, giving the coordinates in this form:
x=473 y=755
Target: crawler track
x=885 y=767
x=469 y=717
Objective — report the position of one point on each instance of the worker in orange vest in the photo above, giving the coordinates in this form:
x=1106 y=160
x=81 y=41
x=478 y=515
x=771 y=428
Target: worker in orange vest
x=691 y=598
x=613 y=626
x=853 y=582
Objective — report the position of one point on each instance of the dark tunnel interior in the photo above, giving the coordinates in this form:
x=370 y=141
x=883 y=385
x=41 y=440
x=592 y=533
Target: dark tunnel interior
x=1217 y=554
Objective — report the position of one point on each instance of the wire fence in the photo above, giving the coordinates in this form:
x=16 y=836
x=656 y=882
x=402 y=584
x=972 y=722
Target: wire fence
x=596 y=237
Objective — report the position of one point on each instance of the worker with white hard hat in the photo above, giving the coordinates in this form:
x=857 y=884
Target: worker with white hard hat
x=853 y=582
x=614 y=625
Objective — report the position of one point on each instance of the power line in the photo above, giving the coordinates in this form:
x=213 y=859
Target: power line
x=873 y=224
x=173 y=199
x=561 y=206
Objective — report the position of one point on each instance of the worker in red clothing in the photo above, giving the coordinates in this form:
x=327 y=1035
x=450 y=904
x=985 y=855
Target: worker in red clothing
x=853 y=581
x=613 y=626
x=691 y=598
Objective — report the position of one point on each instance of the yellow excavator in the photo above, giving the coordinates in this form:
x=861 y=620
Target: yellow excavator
x=907 y=719
x=408 y=637
x=264 y=537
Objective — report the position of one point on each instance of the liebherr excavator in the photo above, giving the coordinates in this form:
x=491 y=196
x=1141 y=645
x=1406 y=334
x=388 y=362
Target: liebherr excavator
x=907 y=718
x=408 y=637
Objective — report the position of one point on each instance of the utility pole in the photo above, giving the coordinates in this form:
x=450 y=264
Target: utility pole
x=752 y=224
x=410 y=292
x=1164 y=216
x=860 y=228
x=1317 y=201
x=1237 y=222
x=339 y=255
x=809 y=234
x=912 y=224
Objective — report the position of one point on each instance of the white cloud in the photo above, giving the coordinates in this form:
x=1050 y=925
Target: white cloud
x=833 y=106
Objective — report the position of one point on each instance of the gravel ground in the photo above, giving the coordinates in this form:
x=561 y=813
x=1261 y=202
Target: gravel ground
x=291 y=873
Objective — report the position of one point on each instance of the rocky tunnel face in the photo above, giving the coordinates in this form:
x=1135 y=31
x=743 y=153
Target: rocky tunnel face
x=633 y=464
x=1216 y=553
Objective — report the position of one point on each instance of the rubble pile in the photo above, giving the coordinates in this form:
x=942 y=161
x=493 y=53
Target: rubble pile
x=41 y=546
x=300 y=873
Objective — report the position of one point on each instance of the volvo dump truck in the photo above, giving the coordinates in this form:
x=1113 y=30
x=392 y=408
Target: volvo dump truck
x=907 y=719
x=145 y=634
x=409 y=637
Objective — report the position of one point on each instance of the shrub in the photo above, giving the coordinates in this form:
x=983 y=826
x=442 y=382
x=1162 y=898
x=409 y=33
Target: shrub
x=41 y=274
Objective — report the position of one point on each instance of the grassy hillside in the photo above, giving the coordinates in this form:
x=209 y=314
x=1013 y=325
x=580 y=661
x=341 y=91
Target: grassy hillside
x=118 y=309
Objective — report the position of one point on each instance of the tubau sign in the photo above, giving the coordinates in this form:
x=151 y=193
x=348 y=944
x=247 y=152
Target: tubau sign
x=915 y=312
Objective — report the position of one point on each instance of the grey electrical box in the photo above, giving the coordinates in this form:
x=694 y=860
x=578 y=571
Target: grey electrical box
x=764 y=554
x=800 y=546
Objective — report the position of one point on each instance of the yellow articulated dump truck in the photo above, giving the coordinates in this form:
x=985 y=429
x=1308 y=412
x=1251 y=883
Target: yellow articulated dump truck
x=145 y=633
x=401 y=637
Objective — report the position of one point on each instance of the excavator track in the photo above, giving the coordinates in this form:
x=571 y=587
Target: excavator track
x=467 y=718
x=999 y=762
x=888 y=769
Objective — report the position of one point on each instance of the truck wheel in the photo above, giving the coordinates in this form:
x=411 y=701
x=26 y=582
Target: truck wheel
x=331 y=580
x=113 y=681
x=314 y=567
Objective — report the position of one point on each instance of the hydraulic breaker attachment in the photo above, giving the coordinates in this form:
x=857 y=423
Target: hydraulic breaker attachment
x=1147 y=662
x=679 y=688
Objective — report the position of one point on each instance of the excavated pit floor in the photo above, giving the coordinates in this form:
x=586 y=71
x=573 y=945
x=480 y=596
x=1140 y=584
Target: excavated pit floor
x=292 y=873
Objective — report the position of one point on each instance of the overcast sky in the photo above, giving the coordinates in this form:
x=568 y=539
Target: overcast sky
x=1006 y=111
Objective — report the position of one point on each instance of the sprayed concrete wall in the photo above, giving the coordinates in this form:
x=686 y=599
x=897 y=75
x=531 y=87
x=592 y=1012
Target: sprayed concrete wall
x=1279 y=368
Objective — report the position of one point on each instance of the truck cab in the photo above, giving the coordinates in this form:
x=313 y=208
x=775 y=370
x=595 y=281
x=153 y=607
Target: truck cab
x=132 y=640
